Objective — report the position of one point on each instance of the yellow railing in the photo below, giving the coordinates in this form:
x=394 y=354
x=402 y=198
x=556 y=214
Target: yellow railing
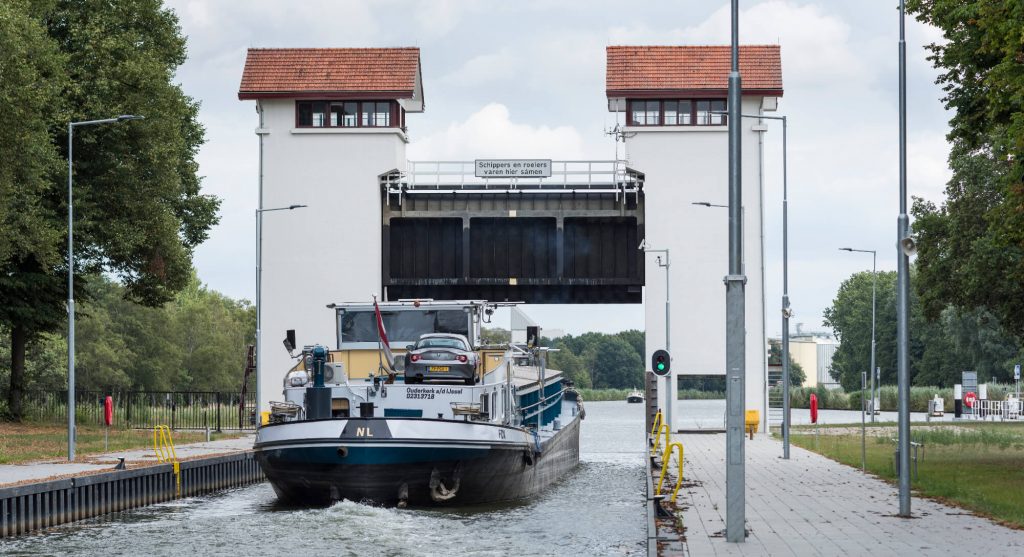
x=664 y=469
x=657 y=423
x=657 y=439
x=163 y=446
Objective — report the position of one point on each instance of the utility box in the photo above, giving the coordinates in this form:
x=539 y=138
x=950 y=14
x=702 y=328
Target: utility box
x=753 y=418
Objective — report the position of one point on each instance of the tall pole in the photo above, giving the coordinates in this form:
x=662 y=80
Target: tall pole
x=71 y=306
x=671 y=391
x=71 y=273
x=903 y=288
x=734 y=312
x=786 y=312
x=259 y=271
x=874 y=284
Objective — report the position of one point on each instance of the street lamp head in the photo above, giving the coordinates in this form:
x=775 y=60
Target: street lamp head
x=704 y=203
x=845 y=249
x=126 y=117
x=290 y=207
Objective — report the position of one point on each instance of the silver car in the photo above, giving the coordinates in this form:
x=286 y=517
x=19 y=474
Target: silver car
x=441 y=356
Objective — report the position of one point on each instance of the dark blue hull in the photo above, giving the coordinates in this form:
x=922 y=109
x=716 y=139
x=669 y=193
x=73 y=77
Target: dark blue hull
x=419 y=472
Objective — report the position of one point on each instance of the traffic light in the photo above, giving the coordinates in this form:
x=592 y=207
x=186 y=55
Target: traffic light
x=661 y=363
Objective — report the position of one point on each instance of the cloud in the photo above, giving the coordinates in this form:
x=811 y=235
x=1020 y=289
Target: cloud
x=490 y=132
x=816 y=47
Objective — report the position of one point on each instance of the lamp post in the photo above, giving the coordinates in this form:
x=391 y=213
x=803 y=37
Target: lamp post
x=670 y=391
x=71 y=273
x=904 y=249
x=874 y=282
x=787 y=311
x=259 y=289
x=735 y=310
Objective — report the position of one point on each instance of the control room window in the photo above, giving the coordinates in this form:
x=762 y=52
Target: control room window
x=706 y=110
x=644 y=113
x=312 y=114
x=344 y=114
x=376 y=114
x=678 y=113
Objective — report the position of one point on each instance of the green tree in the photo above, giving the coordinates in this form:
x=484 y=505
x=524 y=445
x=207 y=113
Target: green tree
x=971 y=247
x=32 y=80
x=796 y=371
x=614 y=364
x=139 y=210
x=849 y=316
x=635 y=338
x=495 y=335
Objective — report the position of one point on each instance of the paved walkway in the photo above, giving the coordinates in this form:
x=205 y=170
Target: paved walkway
x=92 y=464
x=810 y=505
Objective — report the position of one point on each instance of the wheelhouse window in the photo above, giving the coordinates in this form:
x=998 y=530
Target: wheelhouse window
x=676 y=112
x=345 y=114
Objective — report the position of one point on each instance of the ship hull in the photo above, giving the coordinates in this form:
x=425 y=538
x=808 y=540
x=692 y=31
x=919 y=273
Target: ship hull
x=468 y=464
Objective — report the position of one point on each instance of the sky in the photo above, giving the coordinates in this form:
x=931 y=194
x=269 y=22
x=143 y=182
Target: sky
x=526 y=79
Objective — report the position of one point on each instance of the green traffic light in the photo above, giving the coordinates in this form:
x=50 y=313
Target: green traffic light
x=661 y=366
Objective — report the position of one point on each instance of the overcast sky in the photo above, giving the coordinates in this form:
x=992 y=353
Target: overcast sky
x=526 y=79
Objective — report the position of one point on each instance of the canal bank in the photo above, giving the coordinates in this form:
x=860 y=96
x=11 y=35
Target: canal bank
x=40 y=495
x=597 y=509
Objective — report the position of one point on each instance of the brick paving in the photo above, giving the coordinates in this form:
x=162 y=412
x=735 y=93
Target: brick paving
x=810 y=505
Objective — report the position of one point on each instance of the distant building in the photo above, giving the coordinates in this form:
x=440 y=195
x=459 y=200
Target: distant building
x=814 y=350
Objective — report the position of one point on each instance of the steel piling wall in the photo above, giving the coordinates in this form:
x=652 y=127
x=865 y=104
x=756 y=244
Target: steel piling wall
x=31 y=507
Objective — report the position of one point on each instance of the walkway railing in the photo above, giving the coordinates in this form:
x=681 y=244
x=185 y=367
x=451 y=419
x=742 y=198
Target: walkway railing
x=145 y=409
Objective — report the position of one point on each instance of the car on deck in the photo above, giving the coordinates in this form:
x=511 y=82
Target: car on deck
x=441 y=357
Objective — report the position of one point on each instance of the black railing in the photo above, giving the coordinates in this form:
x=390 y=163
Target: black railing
x=145 y=409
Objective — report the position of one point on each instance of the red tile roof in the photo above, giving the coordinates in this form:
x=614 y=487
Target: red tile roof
x=691 y=69
x=290 y=72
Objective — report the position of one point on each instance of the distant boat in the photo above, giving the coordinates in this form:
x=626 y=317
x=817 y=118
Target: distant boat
x=635 y=396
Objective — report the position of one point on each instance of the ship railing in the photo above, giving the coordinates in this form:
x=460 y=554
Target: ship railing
x=546 y=405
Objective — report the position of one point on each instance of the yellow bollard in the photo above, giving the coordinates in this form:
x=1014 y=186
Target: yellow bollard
x=753 y=418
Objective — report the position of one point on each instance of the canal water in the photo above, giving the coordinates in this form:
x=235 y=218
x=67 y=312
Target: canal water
x=596 y=510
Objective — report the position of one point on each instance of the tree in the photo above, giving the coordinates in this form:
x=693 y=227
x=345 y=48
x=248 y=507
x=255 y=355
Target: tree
x=495 y=335
x=614 y=364
x=139 y=210
x=971 y=247
x=796 y=371
x=849 y=316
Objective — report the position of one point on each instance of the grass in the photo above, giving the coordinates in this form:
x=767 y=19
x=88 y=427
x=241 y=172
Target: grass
x=978 y=466
x=30 y=442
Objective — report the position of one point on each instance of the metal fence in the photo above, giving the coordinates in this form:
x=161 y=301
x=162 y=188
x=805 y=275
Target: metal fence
x=145 y=409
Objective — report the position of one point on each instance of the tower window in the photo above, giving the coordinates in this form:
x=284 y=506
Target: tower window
x=676 y=112
x=345 y=114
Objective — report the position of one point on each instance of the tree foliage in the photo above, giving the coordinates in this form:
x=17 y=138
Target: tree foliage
x=971 y=248
x=601 y=361
x=940 y=349
x=139 y=211
x=196 y=342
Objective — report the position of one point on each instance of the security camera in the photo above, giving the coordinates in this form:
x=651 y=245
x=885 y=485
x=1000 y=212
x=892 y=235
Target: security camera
x=909 y=246
x=787 y=313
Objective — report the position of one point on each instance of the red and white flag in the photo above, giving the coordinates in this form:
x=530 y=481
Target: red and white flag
x=383 y=335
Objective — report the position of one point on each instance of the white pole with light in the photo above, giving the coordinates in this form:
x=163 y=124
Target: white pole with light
x=71 y=273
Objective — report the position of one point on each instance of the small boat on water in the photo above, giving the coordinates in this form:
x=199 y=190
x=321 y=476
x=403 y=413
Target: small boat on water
x=351 y=428
x=635 y=396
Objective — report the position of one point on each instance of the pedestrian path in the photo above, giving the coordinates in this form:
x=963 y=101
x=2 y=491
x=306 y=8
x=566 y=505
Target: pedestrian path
x=93 y=464
x=810 y=505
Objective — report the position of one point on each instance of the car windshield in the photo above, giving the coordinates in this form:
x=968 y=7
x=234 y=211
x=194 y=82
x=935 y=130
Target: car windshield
x=441 y=343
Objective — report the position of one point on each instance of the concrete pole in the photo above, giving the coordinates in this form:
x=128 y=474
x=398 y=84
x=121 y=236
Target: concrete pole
x=735 y=340
x=903 y=287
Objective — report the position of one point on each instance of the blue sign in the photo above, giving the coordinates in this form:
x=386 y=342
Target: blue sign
x=1016 y=372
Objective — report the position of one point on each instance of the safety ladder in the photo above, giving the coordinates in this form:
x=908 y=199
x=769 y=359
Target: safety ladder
x=163 y=446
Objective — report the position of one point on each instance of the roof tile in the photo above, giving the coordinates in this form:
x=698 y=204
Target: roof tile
x=690 y=68
x=331 y=70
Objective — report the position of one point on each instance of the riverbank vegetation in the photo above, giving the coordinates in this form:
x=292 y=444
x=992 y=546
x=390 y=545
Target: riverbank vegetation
x=976 y=466
x=837 y=399
x=195 y=342
x=621 y=394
